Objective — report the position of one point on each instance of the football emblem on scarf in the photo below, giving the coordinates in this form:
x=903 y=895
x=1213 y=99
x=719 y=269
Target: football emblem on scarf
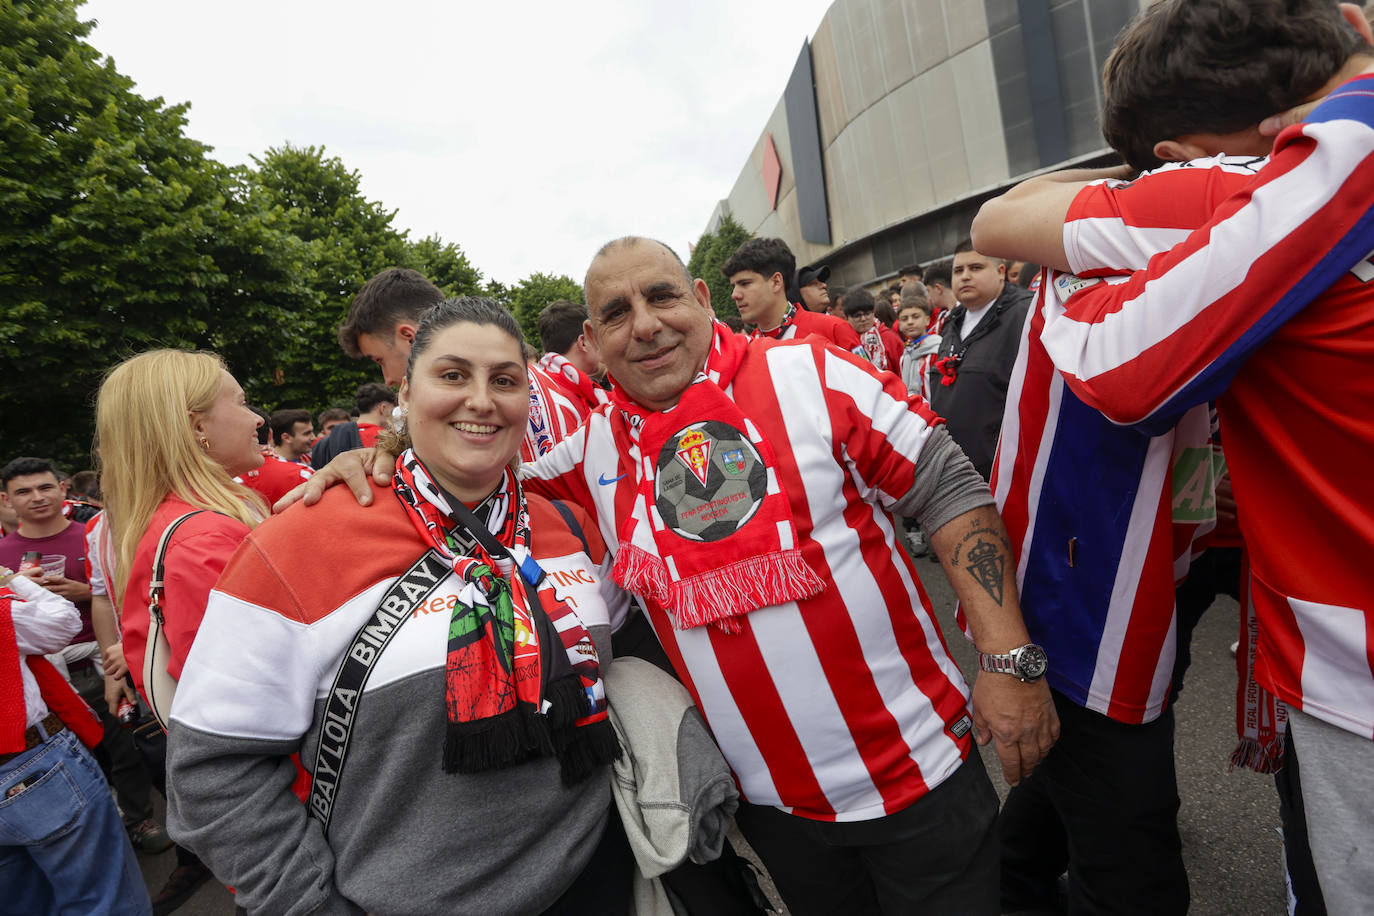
x=710 y=481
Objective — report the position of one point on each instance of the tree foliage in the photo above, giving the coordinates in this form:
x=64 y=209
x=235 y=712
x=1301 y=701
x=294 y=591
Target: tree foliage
x=348 y=238
x=711 y=251
x=118 y=234
x=446 y=266
x=528 y=297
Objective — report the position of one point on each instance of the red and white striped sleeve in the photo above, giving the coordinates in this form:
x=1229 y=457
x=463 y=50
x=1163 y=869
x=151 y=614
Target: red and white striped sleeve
x=1174 y=334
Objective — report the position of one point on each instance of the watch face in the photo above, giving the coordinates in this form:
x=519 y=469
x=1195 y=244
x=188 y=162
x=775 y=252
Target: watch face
x=1031 y=662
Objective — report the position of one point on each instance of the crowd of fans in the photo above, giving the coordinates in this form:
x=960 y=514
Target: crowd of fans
x=573 y=612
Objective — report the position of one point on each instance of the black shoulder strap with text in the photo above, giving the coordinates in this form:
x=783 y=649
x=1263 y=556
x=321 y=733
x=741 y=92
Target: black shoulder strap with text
x=398 y=604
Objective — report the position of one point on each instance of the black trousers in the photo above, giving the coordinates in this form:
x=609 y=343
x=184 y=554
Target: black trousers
x=1103 y=805
x=117 y=755
x=938 y=856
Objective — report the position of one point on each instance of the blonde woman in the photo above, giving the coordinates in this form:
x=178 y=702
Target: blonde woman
x=173 y=432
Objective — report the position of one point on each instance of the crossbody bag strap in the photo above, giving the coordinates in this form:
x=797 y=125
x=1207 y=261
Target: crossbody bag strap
x=397 y=606
x=573 y=526
x=530 y=570
x=158 y=684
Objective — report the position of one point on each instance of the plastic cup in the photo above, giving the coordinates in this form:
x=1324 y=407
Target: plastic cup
x=54 y=564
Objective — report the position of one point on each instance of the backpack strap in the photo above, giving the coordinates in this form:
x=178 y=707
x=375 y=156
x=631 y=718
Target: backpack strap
x=573 y=526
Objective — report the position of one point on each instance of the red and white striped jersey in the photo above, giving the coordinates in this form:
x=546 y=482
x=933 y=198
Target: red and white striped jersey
x=1268 y=304
x=827 y=327
x=1096 y=563
x=553 y=415
x=841 y=707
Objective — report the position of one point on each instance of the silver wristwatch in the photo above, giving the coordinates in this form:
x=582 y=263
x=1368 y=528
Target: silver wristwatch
x=1027 y=664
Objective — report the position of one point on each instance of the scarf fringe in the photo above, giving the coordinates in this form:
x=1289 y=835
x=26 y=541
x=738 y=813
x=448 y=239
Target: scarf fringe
x=719 y=596
x=636 y=570
x=497 y=741
x=568 y=702
x=593 y=746
x=581 y=742
x=1252 y=755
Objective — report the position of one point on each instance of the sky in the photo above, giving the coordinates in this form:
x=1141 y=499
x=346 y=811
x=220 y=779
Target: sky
x=528 y=133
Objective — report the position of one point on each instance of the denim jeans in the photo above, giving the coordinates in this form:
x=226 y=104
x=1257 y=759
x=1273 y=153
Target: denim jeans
x=63 y=848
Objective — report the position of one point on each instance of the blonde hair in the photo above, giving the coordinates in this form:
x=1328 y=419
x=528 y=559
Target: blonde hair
x=144 y=417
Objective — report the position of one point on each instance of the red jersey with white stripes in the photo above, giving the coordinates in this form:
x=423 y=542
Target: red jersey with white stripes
x=1096 y=565
x=553 y=415
x=827 y=327
x=845 y=706
x=1271 y=302
x=583 y=393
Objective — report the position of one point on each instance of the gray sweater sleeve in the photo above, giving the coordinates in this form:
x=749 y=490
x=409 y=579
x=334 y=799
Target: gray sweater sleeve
x=946 y=485
x=230 y=802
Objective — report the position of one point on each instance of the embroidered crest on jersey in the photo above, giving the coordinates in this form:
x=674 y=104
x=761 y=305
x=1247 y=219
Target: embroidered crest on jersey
x=710 y=481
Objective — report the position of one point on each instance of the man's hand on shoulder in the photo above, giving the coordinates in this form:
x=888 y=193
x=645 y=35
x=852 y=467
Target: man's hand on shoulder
x=352 y=468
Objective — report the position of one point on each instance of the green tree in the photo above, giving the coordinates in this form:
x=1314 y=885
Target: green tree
x=711 y=251
x=348 y=239
x=117 y=232
x=528 y=297
x=446 y=266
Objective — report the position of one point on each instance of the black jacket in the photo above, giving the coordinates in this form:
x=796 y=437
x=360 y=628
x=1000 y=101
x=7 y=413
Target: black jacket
x=972 y=404
x=342 y=438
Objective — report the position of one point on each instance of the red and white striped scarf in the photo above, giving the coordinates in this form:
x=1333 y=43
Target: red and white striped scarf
x=872 y=341
x=13 y=720
x=562 y=370
x=709 y=535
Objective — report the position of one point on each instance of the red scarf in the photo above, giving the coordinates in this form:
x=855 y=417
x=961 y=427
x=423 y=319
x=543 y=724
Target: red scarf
x=56 y=692
x=13 y=717
x=561 y=369
x=872 y=340
x=710 y=536
x=511 y=695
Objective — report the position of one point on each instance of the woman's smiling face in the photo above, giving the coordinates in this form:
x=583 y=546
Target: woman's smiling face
x=468 y=403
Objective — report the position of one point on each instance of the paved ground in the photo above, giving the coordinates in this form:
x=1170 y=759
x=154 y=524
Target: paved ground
x=1229 y=822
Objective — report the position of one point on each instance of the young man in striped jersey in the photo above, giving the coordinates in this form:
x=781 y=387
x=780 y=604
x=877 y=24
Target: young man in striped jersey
x=1224 y=308
x=749 y=488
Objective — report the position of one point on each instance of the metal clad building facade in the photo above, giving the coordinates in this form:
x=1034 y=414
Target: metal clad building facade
x=902 y=116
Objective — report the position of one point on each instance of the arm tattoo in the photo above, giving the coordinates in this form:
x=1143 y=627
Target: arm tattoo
x=982 y=553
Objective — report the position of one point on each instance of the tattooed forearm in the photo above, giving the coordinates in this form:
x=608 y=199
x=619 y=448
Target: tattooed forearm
x=982 y=551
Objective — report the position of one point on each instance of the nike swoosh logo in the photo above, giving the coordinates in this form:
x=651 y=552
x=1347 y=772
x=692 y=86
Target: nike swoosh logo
x=606 y=483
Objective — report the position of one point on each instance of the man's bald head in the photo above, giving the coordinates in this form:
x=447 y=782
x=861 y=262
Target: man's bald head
x=630 y=241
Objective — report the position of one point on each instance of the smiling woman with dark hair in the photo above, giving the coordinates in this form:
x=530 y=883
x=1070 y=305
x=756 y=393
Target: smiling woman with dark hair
x=440 y=690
